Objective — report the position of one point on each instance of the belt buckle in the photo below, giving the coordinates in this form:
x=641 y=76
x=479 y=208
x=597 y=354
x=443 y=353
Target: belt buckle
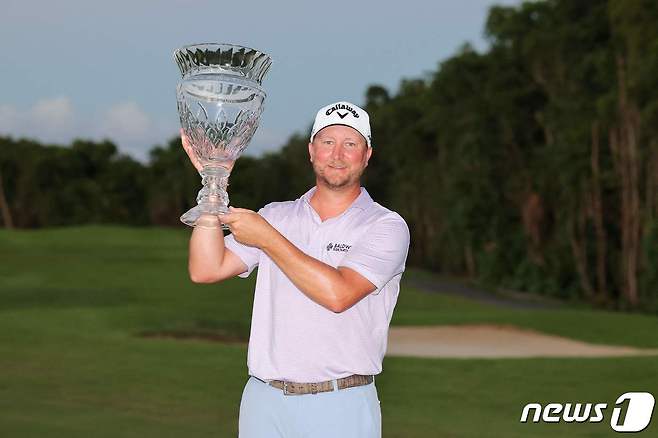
x=314 y=389
x=285 y=389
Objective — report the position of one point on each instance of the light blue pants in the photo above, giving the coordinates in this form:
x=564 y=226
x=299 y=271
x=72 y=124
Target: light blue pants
x=265 y=412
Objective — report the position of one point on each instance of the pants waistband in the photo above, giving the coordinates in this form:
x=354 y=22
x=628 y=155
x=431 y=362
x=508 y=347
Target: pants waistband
x=299 y=388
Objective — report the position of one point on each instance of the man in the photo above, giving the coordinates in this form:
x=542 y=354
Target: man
x=329 y=271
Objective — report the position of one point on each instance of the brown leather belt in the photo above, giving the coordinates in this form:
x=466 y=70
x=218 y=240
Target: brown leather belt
x=296 y=388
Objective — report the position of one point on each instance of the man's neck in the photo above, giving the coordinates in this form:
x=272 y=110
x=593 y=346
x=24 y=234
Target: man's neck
x=330 y=203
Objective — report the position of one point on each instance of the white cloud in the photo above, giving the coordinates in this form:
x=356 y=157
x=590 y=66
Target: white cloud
x=133 y=130
x=48 y=120
x=55 y=120
x=126 y=120
x=53 y=117
x=130 y=127
x=8 y=119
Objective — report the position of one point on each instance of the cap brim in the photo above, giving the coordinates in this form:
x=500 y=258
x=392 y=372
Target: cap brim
x=341 y=124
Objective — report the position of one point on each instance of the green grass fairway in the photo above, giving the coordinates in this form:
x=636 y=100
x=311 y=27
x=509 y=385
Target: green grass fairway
x=74 y=302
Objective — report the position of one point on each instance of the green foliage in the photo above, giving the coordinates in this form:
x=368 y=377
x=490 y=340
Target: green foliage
x=649 y=274
x=86 y=182
x=531 y=165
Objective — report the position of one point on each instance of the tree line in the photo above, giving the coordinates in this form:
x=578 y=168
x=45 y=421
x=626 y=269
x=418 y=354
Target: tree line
x=531 y=166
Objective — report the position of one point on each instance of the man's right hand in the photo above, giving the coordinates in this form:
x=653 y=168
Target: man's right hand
x=209 y=260
x=187 y=145
x=188 y=150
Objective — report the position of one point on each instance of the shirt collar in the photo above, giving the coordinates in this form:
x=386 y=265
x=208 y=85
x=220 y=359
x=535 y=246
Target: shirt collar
x=362 y=201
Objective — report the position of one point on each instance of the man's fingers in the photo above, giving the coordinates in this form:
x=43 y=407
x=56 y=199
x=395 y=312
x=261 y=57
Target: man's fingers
x=183 y=137
x=239 y=210
x=187 y=147
x=228 y=218
x=186 y=143
x=232 y=215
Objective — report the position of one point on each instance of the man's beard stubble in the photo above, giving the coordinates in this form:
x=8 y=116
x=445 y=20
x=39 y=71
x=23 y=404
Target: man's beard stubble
x=349 y=179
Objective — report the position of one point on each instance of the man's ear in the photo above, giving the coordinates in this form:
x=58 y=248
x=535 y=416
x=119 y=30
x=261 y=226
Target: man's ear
x=368 y=154
x=310 y=151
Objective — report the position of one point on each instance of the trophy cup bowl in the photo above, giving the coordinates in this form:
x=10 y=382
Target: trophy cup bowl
x=220 y=101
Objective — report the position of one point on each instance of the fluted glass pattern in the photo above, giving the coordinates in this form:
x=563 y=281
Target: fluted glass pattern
x=220 y=101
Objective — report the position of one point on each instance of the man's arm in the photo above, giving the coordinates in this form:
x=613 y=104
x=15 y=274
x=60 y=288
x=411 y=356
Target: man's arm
x=209 y=260
x=337 y=289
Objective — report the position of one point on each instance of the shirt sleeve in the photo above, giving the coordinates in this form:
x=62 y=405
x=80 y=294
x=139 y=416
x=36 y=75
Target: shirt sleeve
x=250 y=255
x=381 y=253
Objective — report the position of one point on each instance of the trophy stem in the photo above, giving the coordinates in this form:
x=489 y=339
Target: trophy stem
x=212 y=198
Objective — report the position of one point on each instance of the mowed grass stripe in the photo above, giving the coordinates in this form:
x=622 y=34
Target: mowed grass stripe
x=74 y=300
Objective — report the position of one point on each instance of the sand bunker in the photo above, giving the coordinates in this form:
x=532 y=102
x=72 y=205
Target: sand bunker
x=494 y=341
x=459 y=341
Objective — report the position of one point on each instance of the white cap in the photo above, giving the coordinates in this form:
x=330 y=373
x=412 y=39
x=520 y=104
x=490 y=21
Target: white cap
x=343 y=113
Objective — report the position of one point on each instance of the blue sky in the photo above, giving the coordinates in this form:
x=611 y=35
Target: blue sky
x=92 y=69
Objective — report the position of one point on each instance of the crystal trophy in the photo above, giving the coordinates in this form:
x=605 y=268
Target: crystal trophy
x=220 y=101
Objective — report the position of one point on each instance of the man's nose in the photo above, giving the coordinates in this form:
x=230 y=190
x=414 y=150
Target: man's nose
x=337 y=152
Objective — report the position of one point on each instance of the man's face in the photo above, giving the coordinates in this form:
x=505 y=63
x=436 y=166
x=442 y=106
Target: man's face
x=339 y=155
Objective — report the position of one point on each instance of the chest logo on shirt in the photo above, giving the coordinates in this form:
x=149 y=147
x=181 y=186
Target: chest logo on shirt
x=340 y=247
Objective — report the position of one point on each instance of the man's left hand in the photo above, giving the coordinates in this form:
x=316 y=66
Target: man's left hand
x=248 y=227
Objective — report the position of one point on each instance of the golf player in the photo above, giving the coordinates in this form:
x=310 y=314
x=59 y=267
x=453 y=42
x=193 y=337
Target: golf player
x=329 y=270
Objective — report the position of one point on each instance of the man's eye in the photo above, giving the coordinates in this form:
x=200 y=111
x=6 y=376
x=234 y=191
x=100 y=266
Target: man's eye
x=328 y=142
x=350 y=144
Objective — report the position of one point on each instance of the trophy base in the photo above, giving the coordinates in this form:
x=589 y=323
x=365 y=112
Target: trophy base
x=192 y=215
x=212 y=198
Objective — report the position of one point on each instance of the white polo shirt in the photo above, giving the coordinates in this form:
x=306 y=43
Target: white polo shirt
x=294 y=338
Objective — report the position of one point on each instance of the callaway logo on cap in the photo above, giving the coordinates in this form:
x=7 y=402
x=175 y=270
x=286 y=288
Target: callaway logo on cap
x=343 y=113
